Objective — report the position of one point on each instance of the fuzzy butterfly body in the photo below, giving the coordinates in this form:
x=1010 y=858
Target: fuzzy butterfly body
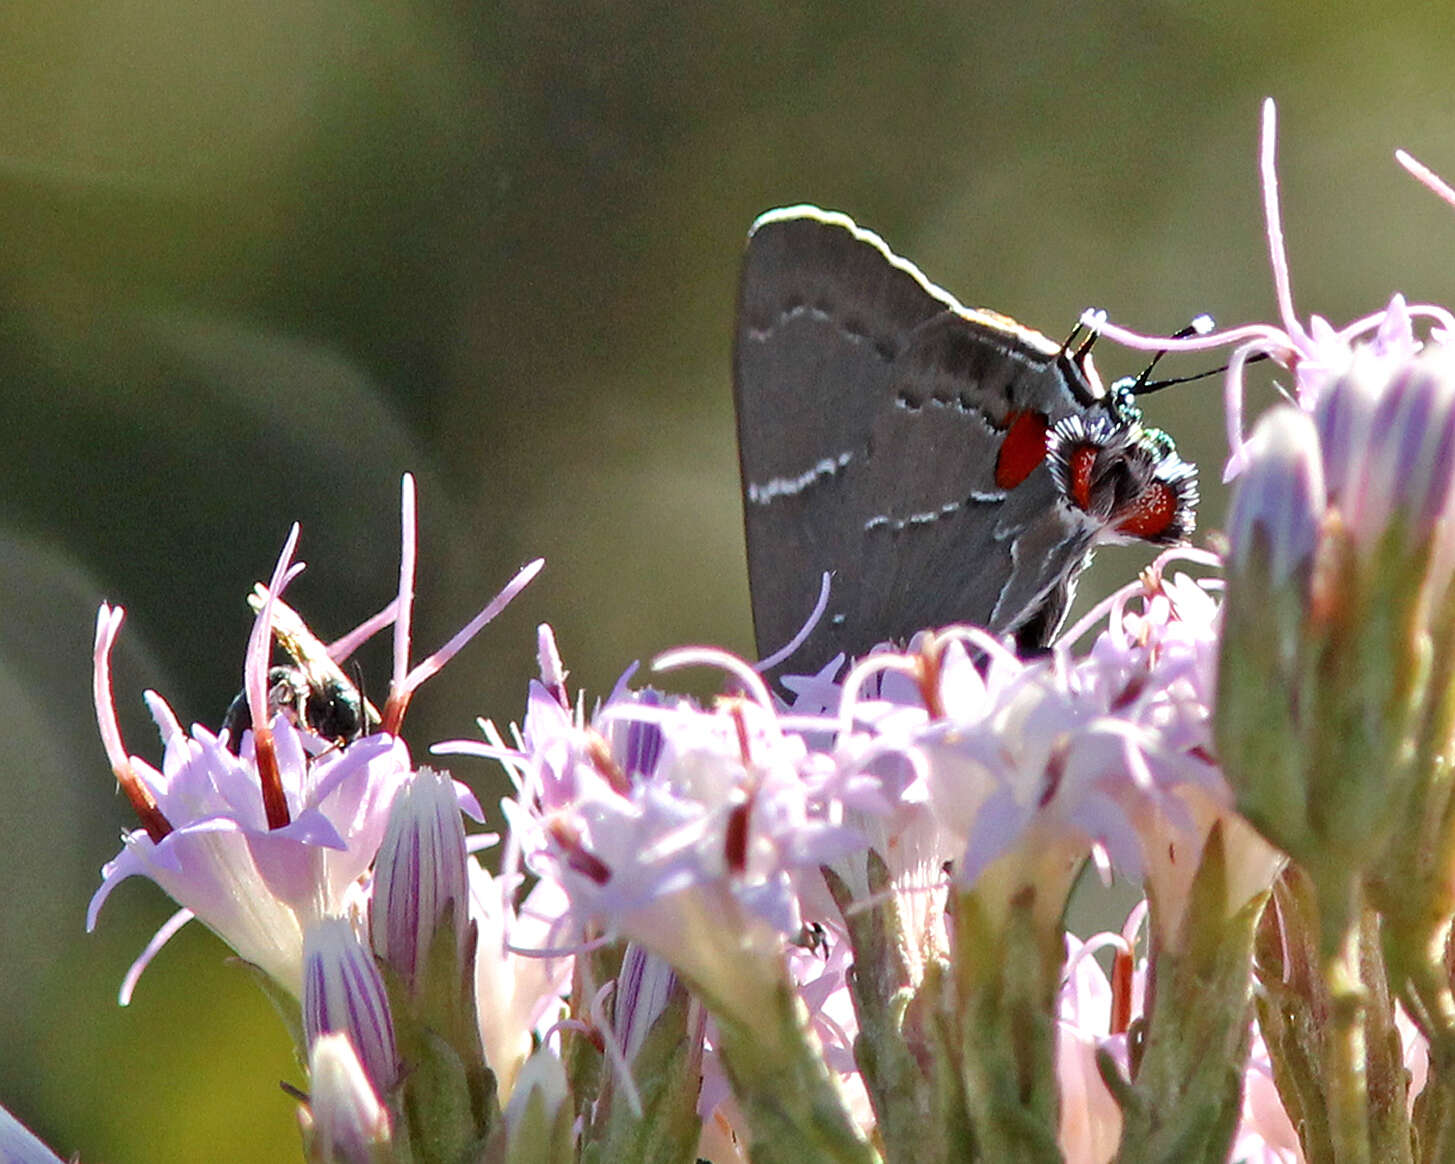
x=944 y=464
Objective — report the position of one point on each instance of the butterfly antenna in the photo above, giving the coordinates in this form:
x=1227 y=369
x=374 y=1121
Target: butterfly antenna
x=1071 y=339
x=1146 y=389
x=1143 y=384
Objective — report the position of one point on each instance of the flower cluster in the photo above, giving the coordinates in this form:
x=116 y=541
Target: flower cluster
x=807 y=870
x=302 y=834
x=826 y=922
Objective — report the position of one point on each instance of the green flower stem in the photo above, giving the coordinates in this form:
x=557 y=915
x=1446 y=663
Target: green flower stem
x=1289 y=1007
x=1328 y=1020
x=1416 y=893
x=1414 y=958
x=581 y=1055
x=794 y=1109
x=1418 y=965
x=668 y=1072
x=1414 y=888
x=1006 y=970
x=932 y=1010
x=881 y=986
x=1385 y=1077
x=1434 y=1115
x=1184 y=1100
x=1345 y=1088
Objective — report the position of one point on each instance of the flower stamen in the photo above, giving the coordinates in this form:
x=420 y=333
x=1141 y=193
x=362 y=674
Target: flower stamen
x=1121 y=990
x=143 y=803
x=927 y=674
x=598 y=751
x=260 y=645
x=405 y=682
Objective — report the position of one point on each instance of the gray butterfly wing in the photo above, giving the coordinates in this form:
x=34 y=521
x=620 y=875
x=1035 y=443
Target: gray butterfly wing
x=820 y=324
x=942 y=541
x=871 y=408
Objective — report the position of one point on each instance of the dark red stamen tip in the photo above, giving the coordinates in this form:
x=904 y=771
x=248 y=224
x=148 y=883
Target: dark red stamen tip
x=1130 y=693
x=589 y=865
x=735 y=709
x=598 y=751
x=1121 y=992
x=1023 y=448
x=1055 y=772
x=394 y=709
x=927 y=675
x=275 y=803
x=144 y=804
x=578 y=857
x=735 y=842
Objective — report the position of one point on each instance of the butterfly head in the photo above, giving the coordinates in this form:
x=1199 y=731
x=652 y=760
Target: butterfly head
x=1124 y=476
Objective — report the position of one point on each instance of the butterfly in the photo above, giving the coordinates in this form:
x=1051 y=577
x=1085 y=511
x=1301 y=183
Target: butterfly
x=944 y=464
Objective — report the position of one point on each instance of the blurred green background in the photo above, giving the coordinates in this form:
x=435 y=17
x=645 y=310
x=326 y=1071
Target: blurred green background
x=256 y=260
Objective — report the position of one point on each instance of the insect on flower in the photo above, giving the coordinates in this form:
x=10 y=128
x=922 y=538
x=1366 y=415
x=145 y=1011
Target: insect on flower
x=313 y=690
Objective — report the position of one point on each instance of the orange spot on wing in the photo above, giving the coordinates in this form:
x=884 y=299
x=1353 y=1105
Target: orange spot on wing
x=1022 y=450
x=1150 y=514
x=1080 y=463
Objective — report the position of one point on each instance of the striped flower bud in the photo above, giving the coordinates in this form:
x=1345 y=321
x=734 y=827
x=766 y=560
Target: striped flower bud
x=343 y=993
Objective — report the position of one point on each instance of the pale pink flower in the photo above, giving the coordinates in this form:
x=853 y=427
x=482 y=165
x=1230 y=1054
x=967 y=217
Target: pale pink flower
x=261 y=842
x=519 y=981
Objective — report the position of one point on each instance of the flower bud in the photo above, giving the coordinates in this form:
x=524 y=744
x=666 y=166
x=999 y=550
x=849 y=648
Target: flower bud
x=420 y=881
x=1389 y=446
x=1278 y=506
x=1335 y=566
x=345 y=1122
x=1274 y=531
x=343 y=992
x=646 y=987
x=538 y=1116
